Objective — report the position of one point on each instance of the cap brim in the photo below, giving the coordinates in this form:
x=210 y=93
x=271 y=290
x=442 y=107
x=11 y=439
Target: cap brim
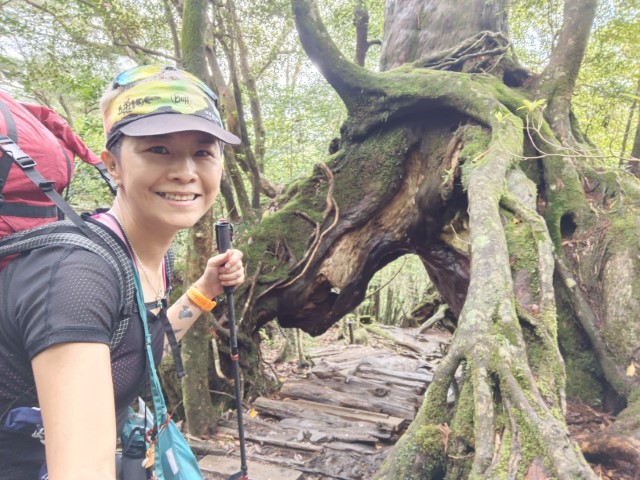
x=164 y=123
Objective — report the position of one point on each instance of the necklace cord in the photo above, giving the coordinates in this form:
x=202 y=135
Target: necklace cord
x=158 y=292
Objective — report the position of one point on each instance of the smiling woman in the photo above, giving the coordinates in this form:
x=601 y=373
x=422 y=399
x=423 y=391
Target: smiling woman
x=164 y=138
x=165 y=182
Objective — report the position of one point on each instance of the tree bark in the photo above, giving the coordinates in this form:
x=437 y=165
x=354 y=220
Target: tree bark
x=361 y=22
x=558 y=80
x=200 y=414
x=230 y=158
x=413 y=27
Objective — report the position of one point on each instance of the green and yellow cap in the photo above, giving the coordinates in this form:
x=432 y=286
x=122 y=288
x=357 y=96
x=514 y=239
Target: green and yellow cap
x=155 y=100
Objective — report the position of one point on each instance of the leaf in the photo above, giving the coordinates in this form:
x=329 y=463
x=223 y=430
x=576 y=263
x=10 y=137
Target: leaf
x=631 y=369
x=253 y=413
x=444 y=431
x=532 y=106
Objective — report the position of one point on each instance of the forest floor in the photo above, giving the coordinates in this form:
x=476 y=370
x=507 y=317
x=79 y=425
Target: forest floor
x=338 y=414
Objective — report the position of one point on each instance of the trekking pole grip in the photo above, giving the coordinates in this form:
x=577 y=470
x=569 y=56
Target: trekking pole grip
x=223 y=240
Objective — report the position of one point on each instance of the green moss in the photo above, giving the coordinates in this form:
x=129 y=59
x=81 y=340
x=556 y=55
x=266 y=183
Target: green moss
x=462 y=437
x=430 y=445
x=623 y=230
x=523 y=250
x=476 y=142
x=532 y=445
x=583 y=374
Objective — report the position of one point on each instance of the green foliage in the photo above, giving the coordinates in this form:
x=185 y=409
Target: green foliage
x=403 y=283
x=610 y=71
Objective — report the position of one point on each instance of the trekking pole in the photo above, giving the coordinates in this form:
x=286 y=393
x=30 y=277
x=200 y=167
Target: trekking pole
x=223 y=239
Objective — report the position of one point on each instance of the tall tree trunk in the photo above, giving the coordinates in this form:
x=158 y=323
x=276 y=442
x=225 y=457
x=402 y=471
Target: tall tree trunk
x=634 y=162
x=230 y=158
x=415 y=27
x=175 y=38
x=249 y=81
x=201 y=416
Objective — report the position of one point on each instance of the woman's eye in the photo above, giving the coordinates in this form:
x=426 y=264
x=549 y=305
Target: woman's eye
x=158 y=149
x=204 y=153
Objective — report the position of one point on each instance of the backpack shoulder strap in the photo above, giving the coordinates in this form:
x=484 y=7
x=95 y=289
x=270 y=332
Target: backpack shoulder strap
x=12 y=129
x=12 y=133
x=101 y=243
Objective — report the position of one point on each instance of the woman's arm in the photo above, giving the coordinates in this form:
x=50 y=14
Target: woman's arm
x=224 y=270
x=75 y=392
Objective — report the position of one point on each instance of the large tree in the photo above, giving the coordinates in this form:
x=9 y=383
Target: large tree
x=459 y=154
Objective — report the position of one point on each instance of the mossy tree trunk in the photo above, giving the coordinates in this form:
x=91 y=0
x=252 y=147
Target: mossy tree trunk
x=547 y=270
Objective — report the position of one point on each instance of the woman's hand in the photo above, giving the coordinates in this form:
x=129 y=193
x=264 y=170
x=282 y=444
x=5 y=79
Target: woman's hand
x=223 y=270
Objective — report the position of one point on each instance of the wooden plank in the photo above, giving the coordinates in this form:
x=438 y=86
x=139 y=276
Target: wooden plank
x=417 y=387
x=225 y=466
x=394 y=423
x=338 y=353
x=322 y=394
x=318 y=432
x=289 y=410
x=352 y=447
x=373 y=388
x=276 y=442
x=421 y=377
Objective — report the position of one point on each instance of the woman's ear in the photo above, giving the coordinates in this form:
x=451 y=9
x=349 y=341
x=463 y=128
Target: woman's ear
x=111 y=162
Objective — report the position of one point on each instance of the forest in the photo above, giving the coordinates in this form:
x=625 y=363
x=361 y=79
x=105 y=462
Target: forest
x=472 y=164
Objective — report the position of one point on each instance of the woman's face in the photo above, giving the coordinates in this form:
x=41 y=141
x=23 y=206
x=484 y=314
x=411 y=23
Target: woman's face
x=168 y=180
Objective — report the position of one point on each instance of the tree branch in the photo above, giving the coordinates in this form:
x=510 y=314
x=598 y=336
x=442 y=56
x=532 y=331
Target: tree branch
x=559 y=78
x=347 y=79
x=140 y=48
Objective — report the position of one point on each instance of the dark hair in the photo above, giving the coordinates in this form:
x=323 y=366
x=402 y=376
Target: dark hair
x=116 y=148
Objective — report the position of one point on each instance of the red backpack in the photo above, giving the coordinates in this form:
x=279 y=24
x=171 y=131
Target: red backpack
x=49 y=143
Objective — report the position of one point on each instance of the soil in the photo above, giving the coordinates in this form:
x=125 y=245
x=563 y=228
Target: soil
x=347 y=461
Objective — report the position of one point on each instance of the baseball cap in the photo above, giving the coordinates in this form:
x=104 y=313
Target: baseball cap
x=156 y=100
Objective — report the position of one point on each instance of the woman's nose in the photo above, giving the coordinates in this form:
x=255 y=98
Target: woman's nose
x=183 y=169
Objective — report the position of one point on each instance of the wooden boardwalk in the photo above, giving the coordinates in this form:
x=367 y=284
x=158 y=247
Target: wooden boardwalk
x=340 y=421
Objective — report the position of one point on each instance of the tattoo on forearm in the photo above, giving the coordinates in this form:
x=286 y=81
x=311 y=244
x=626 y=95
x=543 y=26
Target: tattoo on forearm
x=185 y=312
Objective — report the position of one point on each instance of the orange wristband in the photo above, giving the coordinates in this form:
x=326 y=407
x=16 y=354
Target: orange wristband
x=199 y=300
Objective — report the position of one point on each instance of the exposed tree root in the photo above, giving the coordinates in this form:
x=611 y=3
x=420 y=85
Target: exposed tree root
x=613 y=449
x=586 y=316
x=508 y=381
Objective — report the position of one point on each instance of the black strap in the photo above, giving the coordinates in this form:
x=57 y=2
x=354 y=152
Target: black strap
x=173 y=342
x=102 y=169
x=12 y=129
x=27 y=164
x=14 y=209
x=12 y=133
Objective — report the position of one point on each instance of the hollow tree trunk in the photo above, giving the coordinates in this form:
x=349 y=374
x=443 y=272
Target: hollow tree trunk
x=426 y=151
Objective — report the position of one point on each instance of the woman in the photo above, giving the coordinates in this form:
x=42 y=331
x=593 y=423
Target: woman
x=59 y=303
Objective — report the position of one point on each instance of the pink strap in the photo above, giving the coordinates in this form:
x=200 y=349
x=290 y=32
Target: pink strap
x=111 y=223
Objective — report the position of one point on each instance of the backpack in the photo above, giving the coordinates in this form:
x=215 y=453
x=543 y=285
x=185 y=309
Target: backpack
x=44 y=136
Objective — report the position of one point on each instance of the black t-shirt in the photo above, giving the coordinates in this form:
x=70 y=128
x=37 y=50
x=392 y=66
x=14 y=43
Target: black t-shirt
x=60 y=294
